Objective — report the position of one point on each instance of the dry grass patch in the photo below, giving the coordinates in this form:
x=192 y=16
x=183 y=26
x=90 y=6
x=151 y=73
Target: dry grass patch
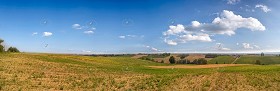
x=199 y=66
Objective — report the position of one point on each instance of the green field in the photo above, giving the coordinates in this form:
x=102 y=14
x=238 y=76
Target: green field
x=23 y=71
x=264 y=59
x=222 y=60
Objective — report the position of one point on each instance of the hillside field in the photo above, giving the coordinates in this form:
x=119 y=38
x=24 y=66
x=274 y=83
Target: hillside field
x=263 y=60
x=24 y=71
x=222 y=60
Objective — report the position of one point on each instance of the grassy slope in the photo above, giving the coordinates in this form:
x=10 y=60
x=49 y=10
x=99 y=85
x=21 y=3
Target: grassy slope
x=221 y=60
x=264 y=60
x=68 y=72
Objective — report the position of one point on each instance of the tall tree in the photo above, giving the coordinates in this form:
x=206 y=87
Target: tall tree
x=172 y=60
x=1 y=46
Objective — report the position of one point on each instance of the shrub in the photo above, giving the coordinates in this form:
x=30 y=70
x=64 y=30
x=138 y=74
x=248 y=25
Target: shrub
x=211 y=55
x=12 y=49
x=188 y=62
x=182 y=61
x=202 y=61
x=1 y=46
x=162 y=61
x=258 y=62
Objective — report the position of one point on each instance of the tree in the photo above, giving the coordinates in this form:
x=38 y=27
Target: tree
x=182 y=57
x=172 y=60
x=216 y=62
x=1 y=46
x=258 y=62
x=195 y=61
x=182 y=61
x=12 y=49
x=262 y=54
x=188 y=62
x=202 y=61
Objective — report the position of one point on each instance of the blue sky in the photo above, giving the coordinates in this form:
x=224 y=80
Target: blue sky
x=132 y=26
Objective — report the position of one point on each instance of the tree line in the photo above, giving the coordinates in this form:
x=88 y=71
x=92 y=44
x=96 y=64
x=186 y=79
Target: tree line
x=10 y=49
x=199 y=61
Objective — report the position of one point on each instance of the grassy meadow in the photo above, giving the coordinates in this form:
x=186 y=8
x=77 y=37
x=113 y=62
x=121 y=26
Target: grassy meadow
x=23 y=71
x=222 y=60
x=263 y=60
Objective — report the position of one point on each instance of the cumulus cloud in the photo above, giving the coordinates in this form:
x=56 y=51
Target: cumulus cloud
x=227 y=23
x=264 y=8
x=77 y=26
x=88 y=32
x=47 y=34
x=199 y=37
x=233 y=1
x=173 y=30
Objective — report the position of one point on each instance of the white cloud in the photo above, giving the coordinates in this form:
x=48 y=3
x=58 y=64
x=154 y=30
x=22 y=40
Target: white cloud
x=199 y=37
x=233 y=1
x=195 y=23
x=173 y=30
x=130 y=36
x=225 y=49
x=77 y=26
x=122 y=37
x=34 y=33
x=247 y=46
x=227 y=23
x=264 y=8
x=88 y=32
x=46 y=34
x=237 y=44
x=86 y=51
x=152 y=48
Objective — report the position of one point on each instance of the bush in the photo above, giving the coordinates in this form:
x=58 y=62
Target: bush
x=211 y=55
x=1 y=46
x=162 y=61
x=182 y=61
x=202 y=61
x=258 y=62
x=188 y=62
x=12 y=49
x=172 y=60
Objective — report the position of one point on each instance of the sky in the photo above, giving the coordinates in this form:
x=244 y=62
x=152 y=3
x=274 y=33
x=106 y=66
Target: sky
x=141 y=26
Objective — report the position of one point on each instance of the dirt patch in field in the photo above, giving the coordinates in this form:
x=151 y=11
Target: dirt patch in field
x=199 y=66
